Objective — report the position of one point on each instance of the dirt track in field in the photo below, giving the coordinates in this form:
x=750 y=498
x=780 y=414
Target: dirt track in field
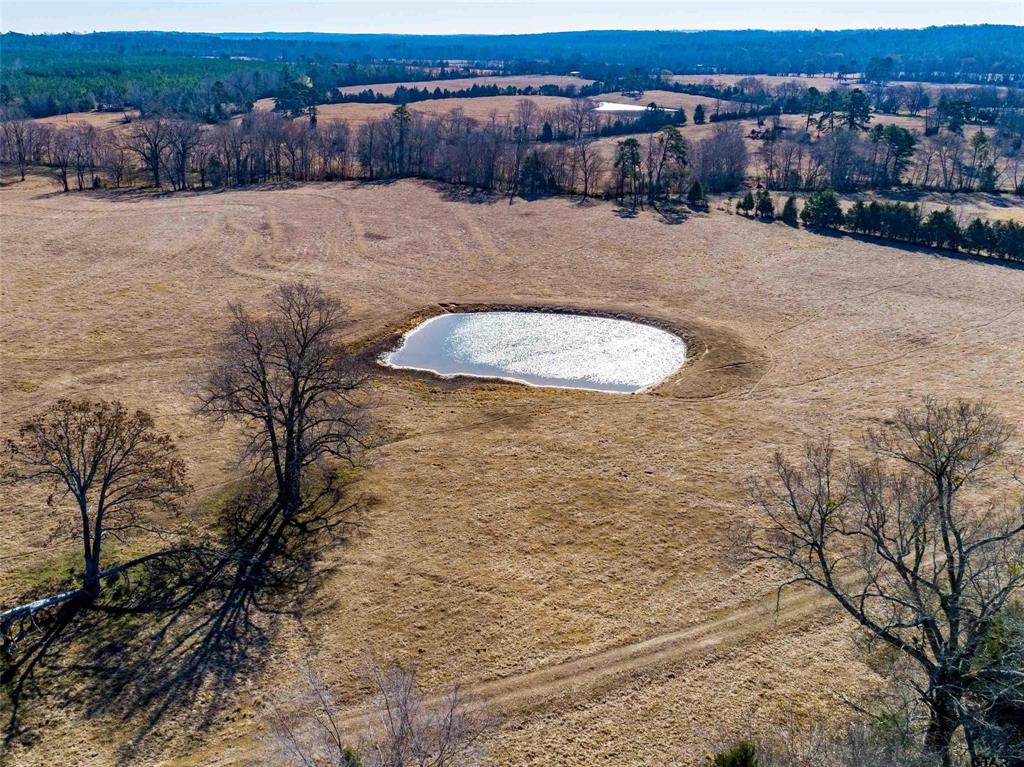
x=518 y=536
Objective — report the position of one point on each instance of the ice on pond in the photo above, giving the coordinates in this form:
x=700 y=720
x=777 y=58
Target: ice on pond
x=543 y=349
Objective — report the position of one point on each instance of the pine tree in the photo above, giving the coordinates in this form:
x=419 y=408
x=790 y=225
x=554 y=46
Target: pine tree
x=698 y=115
x=789 y=213
x=695 y=195
x=746 y=204
x=822 y=209
x=765 y=206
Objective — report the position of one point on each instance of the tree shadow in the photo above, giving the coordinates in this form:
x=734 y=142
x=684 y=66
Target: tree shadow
x=623 y=212
x=465 y=194
x=672 y=213
x=177 y=636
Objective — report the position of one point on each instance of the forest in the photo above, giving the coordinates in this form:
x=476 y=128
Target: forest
x=52 y=74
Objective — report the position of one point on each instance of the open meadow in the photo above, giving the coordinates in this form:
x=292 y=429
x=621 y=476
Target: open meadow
x=567 y=556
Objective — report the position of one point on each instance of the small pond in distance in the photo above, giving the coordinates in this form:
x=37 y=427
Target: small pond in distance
x=542 y=349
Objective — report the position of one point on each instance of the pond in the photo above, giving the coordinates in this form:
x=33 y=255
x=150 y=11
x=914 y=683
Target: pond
x=572 y=351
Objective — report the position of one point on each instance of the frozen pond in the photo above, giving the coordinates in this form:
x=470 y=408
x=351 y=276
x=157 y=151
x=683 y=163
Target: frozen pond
x=542 y=349
x=613 y=106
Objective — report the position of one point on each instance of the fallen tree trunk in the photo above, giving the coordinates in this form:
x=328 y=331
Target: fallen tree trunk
x=23 y=616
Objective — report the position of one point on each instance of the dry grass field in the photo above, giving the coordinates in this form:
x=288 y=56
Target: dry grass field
x=460 y=83
x=667 y=99
x=100 y=120
x=563 y=554
x=822 y=83
x=476 y=108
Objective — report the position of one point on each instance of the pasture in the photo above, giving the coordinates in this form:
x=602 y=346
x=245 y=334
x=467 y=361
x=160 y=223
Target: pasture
x=565 y=555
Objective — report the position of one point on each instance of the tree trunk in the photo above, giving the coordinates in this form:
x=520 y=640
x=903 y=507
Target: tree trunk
x=942 y=726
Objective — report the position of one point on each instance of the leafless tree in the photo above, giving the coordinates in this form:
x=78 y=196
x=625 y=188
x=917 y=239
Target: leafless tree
x=904 y=545
x=150 y=139
x=404 y=728
x=61 y=154
x=117 y=470
x=20 y=137
x=183 y=136
x=294 y=387
x=588 y=163
x=114 y=159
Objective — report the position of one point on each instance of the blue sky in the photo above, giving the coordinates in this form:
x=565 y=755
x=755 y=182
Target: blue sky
x=474 y=16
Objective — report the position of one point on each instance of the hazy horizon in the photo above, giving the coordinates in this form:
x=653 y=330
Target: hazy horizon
x=475 y=17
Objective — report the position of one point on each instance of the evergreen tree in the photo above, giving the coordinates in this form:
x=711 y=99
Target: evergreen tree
x=789 y=213
x=746 y=204
x=857 y=113
x=698 y=115
x=695 y=195
x=942 y=230
x=765 y=206
x=546 y=133
x=978 y=236
x=822 y=210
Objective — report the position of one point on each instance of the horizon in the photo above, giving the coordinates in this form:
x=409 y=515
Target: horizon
x=473 y=17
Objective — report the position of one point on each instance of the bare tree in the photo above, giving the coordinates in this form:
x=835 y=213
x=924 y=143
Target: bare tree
x=587 y=162
x=61 y=153
x=903 y=544
x=19 y=137
x=118 y=472
x=294 y=387
x=183 y=136
x=150 y=139
x=404 y=728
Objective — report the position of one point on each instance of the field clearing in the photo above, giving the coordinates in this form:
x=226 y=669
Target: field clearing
x=820 y=82
x=479 y=109
x=103 y=121
x=563 y=553
x=668 y=99
x=516 y=81
x=823 y=83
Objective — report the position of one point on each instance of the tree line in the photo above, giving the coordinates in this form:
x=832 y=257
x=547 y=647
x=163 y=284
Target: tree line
x=895 y=221
x=972 y=53
x=503 y=155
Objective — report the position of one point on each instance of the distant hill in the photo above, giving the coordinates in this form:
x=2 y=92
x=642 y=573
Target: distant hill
x=982 y=49
x=206 y=74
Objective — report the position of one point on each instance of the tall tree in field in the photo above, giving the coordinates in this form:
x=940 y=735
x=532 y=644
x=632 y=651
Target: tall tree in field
x=286 y=377
x=857 y=110
x=149 y=139
x=402 y=120
x=108 y=467
x=666 y=160
x=628 y=165
x=902 y=542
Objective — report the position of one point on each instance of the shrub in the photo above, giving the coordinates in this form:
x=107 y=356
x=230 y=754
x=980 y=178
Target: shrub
x=743 y=754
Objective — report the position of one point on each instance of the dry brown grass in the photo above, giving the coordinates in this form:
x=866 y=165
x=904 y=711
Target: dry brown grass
x=455 y=84
x=476 y=108
x=517 y=529
x=822 y=83
x=668 y=99
x=100 y=120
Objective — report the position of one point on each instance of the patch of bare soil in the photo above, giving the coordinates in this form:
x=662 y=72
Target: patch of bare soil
x=565 y=554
